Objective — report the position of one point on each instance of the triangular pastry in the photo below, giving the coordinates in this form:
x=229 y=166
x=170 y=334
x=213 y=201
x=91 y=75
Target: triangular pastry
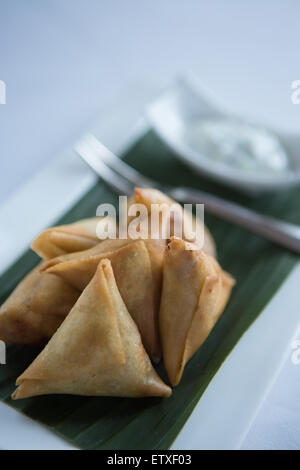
x=138 y=271
x=36 y=308
x=96 y=351
x=62 y=239
x=194 y=294
x=149 y=196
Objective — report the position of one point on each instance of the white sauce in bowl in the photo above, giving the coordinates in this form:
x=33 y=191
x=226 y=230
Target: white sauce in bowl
x=239 y=144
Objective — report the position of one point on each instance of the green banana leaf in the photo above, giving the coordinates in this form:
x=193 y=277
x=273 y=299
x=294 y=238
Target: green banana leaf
x=153 y=423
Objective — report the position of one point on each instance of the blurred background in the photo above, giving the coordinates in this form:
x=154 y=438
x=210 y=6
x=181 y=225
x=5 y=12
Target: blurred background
x=64 y=60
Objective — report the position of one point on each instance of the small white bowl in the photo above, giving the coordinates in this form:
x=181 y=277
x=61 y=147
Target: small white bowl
x=185 y=103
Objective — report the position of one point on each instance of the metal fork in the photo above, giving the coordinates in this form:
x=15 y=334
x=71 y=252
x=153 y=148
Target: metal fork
x=122 y=179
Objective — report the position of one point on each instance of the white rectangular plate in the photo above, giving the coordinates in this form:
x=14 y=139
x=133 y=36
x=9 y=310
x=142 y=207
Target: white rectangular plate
x=226 y=410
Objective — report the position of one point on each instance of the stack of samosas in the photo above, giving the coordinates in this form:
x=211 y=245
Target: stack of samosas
x=111 y=308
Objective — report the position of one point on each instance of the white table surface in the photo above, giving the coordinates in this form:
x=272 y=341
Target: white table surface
x=64 y=60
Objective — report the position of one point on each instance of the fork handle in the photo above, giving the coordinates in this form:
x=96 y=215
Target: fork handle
x=277 y=231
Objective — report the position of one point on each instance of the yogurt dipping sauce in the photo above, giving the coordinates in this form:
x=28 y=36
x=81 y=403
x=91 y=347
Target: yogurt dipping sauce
x=239 y=144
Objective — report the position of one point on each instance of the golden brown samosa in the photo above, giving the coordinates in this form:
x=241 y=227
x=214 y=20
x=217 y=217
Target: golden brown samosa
x=106 y=246
x=149 y=196
x=96 y=351
x=38 y=305
x=36 y=308
x=194 y=294
x=62 y=239
x=137 y=268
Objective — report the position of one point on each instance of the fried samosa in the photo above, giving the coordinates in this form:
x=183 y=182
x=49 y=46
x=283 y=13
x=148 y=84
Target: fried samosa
x=36 y=308
x=38 y=305
x=194 y=294
x=137 y=268
x=97 y=351
x=69 y=238
x=106 y=246
x=149 y=196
